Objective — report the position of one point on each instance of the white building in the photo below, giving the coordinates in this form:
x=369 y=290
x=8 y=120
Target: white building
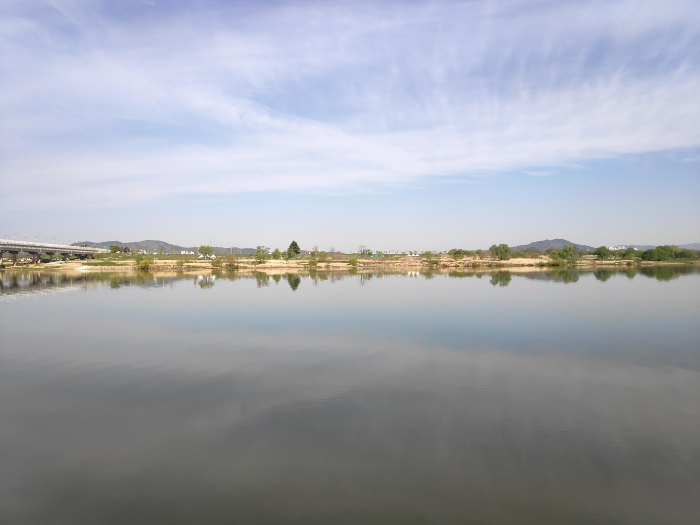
x=186 y=252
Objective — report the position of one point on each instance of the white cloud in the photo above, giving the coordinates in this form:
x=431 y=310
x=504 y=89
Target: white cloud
x=335 y=99
x=542 y=173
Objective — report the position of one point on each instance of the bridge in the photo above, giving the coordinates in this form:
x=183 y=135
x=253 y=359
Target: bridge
x=37 y=249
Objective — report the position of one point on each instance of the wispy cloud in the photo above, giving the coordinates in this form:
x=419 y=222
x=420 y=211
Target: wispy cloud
x=144 y=104
x=542 y=173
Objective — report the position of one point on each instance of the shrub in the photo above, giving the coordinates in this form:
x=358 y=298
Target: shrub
x=217 y=263
x=352 y=262
x=458 y=254
x=144 y=264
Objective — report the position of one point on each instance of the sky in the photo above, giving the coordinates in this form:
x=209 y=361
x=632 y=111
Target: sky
x=396 y=125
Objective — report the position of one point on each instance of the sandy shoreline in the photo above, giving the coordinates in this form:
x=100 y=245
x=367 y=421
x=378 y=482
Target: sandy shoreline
x=443 y=262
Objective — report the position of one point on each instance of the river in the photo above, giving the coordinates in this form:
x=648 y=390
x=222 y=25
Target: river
x=497 y=398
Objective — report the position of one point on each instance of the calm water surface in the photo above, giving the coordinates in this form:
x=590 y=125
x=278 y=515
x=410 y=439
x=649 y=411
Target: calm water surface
x=505 y=398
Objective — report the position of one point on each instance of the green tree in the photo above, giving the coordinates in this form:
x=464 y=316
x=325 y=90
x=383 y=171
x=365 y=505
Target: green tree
x=207 y=251
x=630 y=253
x=685 y=253
x=113 y=248
x=293 y=250
x=500 y=252
x=277 y=254
x=602 y=252
x=262 y=253
x=661 y=253
x=323 y=256
x=569 y=252
x=552 y=252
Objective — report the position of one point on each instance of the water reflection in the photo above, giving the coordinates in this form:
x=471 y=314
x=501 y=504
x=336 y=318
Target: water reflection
x=26 y=282
x=501 y=278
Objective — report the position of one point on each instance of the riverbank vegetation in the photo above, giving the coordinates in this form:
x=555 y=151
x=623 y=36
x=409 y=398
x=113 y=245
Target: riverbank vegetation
x=498 y=256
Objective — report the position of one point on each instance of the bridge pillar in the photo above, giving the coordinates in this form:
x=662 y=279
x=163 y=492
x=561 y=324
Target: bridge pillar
x=14 y=258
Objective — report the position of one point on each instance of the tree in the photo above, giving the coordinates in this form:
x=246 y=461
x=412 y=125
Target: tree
x=262 y=253
x=207 y=251
x=500 y=252
x=323 y=256
x=160 y=251
x=569 y=251
x=602 y=252
x=293 y=250
x=661 y=253
x=630 y=253
x=277 y=254
x=126 y=249
x=113 y=248
x=314 y=251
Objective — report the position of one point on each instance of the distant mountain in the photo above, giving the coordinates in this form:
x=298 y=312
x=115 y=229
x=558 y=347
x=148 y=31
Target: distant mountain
x=541 y=246
x=558 y=244
x=153 y=246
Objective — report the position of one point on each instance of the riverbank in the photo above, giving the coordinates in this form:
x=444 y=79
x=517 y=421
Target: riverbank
x=394 y=263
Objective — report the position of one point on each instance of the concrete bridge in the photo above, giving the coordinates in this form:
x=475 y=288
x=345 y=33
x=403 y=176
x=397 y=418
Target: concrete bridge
x=37 y=249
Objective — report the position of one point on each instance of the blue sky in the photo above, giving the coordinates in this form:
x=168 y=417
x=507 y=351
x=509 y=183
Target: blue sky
x=398 y=125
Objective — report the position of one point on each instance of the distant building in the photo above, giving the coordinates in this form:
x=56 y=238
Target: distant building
x=186 y=252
